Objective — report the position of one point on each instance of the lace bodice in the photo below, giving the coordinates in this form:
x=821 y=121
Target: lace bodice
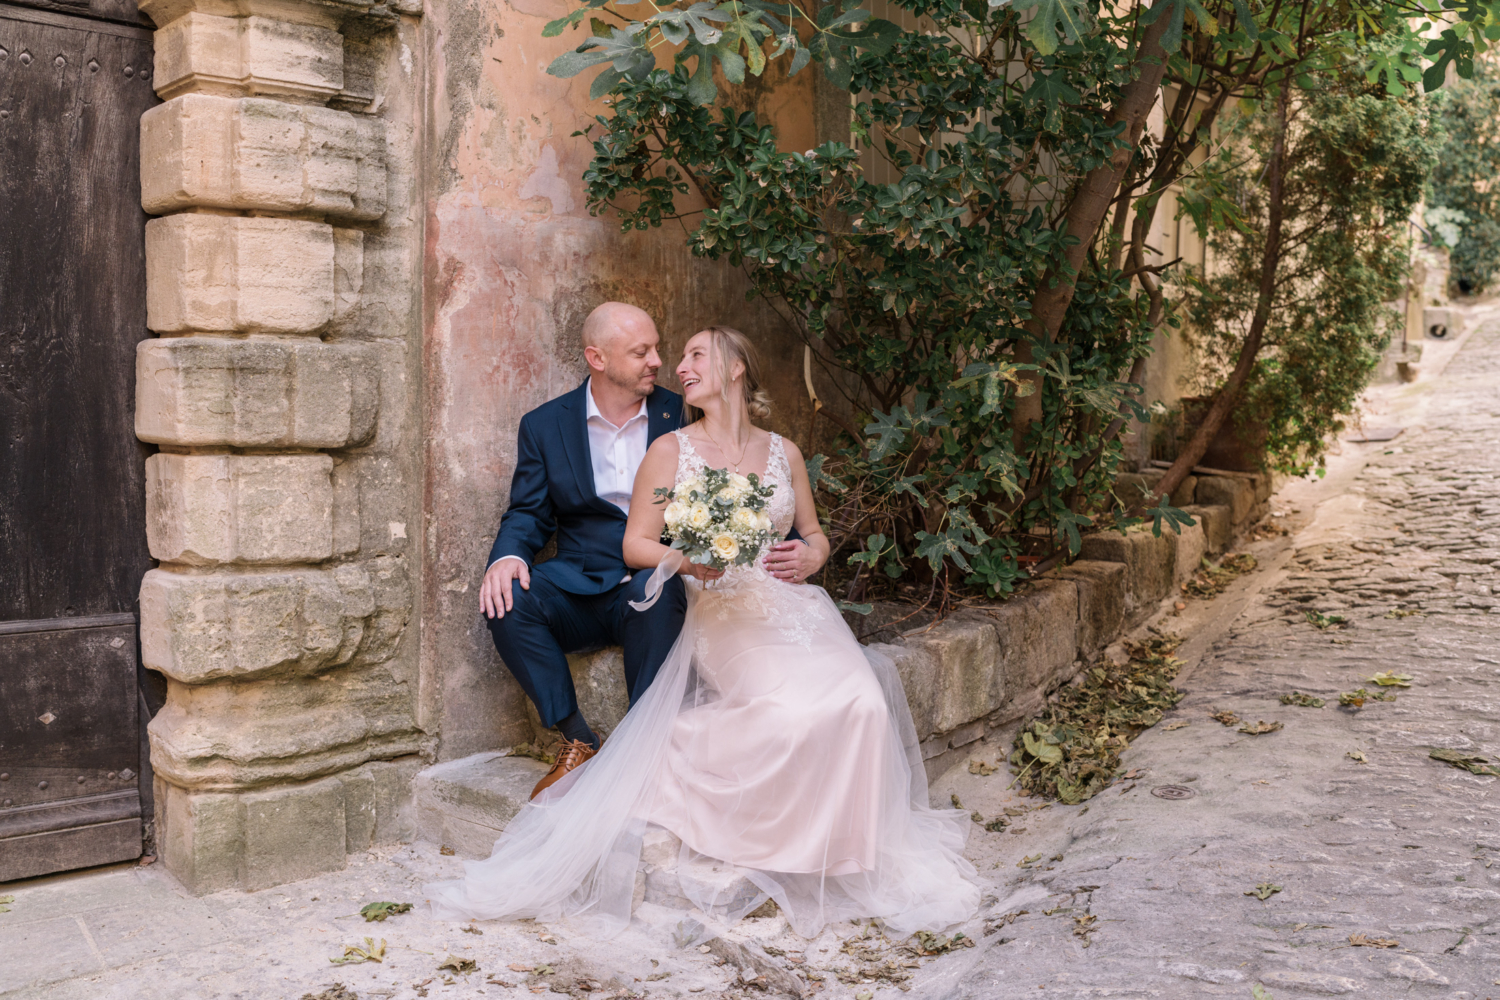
x=781 y=508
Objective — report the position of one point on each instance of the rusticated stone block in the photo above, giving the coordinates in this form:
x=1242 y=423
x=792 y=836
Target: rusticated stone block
x=197 y=629
x=200 y=837
x=1150 y=564
x=1188 y=547
x=1101 y=602
x=203 y=150
x=1218 y=529
x=208 y=509
x=599 y=680
x=206 y=53
x=951 y=673
x=348 y=278
x=215 y=273
x=258 y=838
x=1038 y=635
x=292 y=832
x=1228 y=491
x=207 y=391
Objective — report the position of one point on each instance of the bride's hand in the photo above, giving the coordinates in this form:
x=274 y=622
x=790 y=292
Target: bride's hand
x=792 y=561
x=700 y=572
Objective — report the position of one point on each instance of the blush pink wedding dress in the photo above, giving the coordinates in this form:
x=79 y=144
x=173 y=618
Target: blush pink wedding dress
x=771 y=741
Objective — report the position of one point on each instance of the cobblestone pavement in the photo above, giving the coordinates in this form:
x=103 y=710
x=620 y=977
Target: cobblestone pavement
x=1342 y=809
x=1129 y=895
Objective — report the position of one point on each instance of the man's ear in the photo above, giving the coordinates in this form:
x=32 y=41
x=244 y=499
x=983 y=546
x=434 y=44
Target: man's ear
x=594 y=357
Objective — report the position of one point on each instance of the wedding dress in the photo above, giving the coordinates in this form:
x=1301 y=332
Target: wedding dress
x=770 y=742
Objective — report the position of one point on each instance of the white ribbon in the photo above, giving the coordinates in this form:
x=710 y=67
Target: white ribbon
x=665 y=570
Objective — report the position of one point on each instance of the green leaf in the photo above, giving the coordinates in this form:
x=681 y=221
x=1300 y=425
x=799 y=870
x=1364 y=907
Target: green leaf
x=676 y=25
x=1246 y=19
x=604 y=83
x=1071 y=16
x=1449 y=48
x=380 y=911
x=572 y=63
x=859 y=609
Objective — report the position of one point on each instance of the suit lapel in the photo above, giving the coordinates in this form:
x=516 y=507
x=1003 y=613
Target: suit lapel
x=662 y=416
x=580 y=457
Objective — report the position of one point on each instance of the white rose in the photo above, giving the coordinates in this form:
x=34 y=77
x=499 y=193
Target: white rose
x=763 y=520
x=726 y=548
x=698 y=516
x=740 y=483
x=744 y=519
x=675 y=512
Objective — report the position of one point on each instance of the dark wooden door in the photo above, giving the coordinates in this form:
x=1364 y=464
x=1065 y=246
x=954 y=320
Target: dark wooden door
x=72 y=495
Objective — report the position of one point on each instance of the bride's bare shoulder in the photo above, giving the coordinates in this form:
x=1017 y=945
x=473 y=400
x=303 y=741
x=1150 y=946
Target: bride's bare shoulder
x=665 y=446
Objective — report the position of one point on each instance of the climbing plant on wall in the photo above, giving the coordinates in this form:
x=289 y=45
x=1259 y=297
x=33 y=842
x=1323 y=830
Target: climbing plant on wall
x=989 y=307
x=1463 y=186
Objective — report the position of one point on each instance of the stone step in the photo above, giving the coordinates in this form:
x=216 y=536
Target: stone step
x=465 y=804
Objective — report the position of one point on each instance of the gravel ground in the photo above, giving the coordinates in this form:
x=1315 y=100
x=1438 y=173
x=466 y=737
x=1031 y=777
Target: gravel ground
x=1385 y=862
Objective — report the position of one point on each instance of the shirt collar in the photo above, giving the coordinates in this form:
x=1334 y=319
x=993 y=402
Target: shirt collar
x=591 y=409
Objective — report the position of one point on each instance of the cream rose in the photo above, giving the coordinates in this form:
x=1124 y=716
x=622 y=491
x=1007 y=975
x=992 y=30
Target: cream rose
x=698 y=516
x=726 y=548
x=763 y=520
x=739 y=482
x=675 y=512
x=744 y=519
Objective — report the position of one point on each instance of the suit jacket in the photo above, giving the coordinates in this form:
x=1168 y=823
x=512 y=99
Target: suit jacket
x=552 y=491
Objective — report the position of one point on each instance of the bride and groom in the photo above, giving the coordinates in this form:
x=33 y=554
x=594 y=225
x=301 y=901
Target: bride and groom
x=760 y=733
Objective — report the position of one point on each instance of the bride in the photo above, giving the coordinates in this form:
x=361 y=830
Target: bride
x=771 y=743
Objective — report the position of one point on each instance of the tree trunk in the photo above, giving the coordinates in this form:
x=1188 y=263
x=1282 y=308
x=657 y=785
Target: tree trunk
x=1270 y=259
x=1090 y=204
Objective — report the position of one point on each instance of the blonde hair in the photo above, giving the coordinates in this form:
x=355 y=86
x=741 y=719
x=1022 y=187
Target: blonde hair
x=726 y=346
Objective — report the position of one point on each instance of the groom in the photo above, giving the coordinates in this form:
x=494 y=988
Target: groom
x=576 y=461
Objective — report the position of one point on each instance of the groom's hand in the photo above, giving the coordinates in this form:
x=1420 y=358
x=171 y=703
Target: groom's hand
x=495 y=592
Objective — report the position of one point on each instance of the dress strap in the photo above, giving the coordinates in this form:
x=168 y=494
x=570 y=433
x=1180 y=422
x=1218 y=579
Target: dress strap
x=689 y=462
x=778 y=465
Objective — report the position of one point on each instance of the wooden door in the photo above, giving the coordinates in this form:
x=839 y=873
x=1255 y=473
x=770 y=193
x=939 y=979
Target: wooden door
x=72 y=494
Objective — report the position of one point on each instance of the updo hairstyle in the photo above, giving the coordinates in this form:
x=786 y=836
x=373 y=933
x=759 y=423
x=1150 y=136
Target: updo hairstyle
x=728 y=345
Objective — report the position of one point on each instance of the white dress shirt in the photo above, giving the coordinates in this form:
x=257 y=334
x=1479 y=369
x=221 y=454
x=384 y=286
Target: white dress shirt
x=615 y=453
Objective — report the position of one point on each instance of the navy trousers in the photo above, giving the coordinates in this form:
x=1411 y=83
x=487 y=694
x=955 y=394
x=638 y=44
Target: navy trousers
x=546 y=623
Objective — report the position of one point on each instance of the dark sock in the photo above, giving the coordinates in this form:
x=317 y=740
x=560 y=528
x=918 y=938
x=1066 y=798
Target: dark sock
x=574 y=728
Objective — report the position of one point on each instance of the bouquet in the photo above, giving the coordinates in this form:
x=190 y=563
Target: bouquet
x=718 y=518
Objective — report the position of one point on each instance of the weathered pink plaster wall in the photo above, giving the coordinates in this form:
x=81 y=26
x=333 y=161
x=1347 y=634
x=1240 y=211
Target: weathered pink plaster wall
x=513 y=264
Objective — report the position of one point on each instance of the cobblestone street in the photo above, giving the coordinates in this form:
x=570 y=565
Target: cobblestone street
x=1380 y=866
x=1342 y=809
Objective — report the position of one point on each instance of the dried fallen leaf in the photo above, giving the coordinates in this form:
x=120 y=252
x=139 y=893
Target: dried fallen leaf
x=1357 y=757
x=1260 y=728
x=1473 y=763
x=379 y=911
x=1387 y=679
x=1324 y=622
x=1029 y=860
x=446 y=851
x=519 y=967
x=354 y=954
x=979 y=767
x=1404 y=613
x=459 y=965
x=1298 y=928
x=471 y=929
x=1178 y=724
x=997 y=825
x=338 y=991
x=1361 y=941
x=935 y=944
x=546 y=938
x=957 y=802
x=1227 y=717
x=4 y=901
x=492 y=981
x=1301 y=700
x=1264 y=891
x=1083 y=926
x=544 y=970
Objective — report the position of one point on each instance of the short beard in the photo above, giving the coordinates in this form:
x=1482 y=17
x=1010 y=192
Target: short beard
x=632 y=385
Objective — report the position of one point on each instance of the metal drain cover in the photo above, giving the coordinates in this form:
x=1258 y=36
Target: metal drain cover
x=1173 y=792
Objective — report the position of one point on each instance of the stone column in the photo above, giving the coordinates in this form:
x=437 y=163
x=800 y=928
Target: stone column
x=277 y=506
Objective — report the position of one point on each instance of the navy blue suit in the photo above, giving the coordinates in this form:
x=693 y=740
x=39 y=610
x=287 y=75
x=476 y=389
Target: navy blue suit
x=577 y=601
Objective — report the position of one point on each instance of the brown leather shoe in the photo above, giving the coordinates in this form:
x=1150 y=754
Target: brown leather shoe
x=570 y=754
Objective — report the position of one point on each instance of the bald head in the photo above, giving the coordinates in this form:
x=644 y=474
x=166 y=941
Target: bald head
x=619 y=344
x=611 y=320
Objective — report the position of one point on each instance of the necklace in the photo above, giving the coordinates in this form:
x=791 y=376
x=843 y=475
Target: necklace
x=724 y=451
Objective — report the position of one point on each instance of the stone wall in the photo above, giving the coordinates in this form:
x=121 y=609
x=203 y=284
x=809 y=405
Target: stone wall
x=283 y=503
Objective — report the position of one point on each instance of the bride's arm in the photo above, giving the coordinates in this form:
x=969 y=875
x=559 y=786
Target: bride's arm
x=643 y=528
x=795 y=561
